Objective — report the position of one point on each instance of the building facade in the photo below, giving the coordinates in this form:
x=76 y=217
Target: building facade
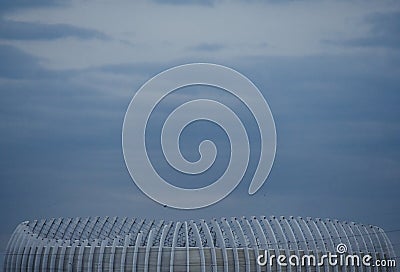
x=234 y=244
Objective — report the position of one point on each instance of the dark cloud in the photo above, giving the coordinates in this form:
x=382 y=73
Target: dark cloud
x=17 y=64
x=384 y=32
x=213 y=2
x=10 y=5
x=208 y=47
x=13 y=30
x=186 y=2
x=136 y=68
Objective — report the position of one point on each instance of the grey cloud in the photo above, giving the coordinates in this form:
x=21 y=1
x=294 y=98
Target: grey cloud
x=13 y=30
x=9 y=5
x=208 y=47
x=213 y=2
x=384 y=32
x=17 y=64
x=147 y=69
x=186 y=2
x=385 y=23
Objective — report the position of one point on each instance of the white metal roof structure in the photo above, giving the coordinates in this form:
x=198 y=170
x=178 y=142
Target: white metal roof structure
x=130 y=244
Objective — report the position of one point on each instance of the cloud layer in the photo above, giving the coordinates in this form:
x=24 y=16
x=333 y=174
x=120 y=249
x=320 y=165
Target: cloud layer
x=14 y=30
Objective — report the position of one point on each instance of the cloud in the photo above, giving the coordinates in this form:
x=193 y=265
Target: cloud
x=384 y=31
x=17 y=64
x=178 y=31
x=208 y=47
x=186 y=2
x=7 y=5
x=15 y=30
x=132 y=68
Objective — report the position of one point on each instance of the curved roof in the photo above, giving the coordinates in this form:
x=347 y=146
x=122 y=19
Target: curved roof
x=294 y=233
x=31 y=241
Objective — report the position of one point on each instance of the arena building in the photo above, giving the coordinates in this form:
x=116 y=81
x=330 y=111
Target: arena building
x=235 y=244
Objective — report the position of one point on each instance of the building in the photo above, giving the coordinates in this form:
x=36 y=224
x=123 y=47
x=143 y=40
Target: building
x=235 y=244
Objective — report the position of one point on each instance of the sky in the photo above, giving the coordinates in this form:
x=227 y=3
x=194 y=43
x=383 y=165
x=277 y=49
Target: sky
x=329 y=70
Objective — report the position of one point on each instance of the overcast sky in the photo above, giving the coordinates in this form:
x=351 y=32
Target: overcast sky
x=330 y=71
